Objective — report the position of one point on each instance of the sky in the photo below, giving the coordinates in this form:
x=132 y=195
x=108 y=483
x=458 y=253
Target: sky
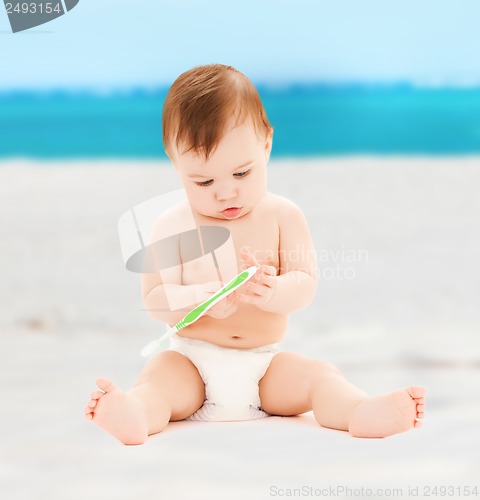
x=118 y=44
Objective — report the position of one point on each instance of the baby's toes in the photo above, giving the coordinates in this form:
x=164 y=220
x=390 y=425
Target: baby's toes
x=419 y=401
x=92 y=403
x=94 y=398
x=88 y=411
x=417 y=392
x=96 y=394
x=420 y=411
x=105 y=385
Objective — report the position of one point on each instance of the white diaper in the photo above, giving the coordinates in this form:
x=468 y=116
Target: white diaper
x=231 y=378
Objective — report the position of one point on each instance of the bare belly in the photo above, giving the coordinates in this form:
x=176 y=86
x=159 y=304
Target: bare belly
x=248 y=327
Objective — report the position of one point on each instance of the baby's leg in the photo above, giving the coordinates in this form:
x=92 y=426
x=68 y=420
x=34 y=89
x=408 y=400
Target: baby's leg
x=294 y=384
x=168 y=389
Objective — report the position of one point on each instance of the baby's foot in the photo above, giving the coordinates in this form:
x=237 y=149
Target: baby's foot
x=118 y=413
x=389 y=414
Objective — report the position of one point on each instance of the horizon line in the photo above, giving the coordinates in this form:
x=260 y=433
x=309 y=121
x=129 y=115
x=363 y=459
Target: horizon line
x=261 y=86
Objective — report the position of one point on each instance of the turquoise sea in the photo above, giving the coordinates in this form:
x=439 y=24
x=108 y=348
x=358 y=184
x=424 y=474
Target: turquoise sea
x=309 y=120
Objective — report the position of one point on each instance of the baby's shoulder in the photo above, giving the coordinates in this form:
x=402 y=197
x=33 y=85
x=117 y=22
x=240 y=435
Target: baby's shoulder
x=174 y=220
x=283 y=207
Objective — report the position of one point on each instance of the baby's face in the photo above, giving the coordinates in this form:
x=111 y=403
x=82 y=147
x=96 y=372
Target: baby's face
x=233 y=180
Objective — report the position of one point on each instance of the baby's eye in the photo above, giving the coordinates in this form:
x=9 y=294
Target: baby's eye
x=242 y=174
x=204 y=183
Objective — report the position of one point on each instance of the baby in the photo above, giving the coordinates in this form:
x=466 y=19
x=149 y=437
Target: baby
x=228 y=365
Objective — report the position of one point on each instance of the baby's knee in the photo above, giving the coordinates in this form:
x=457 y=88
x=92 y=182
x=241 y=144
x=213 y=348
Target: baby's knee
x=322 y=368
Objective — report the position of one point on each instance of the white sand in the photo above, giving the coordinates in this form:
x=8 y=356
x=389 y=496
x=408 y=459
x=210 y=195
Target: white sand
x=398 y=241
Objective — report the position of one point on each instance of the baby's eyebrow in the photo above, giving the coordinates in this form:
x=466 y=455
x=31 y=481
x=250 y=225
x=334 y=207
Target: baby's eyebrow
x=199 y=176
x=244 y=165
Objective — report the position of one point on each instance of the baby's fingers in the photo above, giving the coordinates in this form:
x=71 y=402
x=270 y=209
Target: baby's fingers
x=248 y=258
x=224 y=308
x=268 y=270
x=268 y=281
x=257 y=289
x=256 y=299
x=248 y=299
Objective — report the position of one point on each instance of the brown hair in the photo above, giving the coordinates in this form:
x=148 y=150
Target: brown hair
x=202 y=101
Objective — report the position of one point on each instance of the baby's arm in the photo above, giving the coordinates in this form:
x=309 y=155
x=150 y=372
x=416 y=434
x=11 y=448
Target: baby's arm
x=165 y=296
x=294 y=287
x=190 y=296
x=155 y=295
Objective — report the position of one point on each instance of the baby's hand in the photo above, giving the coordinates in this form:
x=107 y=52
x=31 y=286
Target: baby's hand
x=261 y=287
x=222 y=309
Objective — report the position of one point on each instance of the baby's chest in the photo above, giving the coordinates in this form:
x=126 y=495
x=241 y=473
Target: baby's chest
x=261 y=238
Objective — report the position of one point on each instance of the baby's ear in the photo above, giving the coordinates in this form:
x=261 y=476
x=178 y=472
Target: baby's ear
x=269 y=142
x=170 y=157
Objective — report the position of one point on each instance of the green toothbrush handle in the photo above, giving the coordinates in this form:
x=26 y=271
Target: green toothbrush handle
x=192 y=316
x=198 y=311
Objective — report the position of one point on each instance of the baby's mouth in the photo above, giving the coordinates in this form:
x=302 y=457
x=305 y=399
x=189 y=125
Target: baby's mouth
x=232 y=212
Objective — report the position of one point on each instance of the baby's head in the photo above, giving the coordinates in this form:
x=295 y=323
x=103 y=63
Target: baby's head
x=217 y=134
x=203 y=103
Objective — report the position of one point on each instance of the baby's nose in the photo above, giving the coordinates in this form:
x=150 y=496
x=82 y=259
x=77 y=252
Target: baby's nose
x=226 y=193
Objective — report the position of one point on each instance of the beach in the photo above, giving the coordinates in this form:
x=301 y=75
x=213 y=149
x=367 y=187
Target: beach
x=397 y=304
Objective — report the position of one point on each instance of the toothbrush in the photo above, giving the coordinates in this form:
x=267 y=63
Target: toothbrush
x=200 y=310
